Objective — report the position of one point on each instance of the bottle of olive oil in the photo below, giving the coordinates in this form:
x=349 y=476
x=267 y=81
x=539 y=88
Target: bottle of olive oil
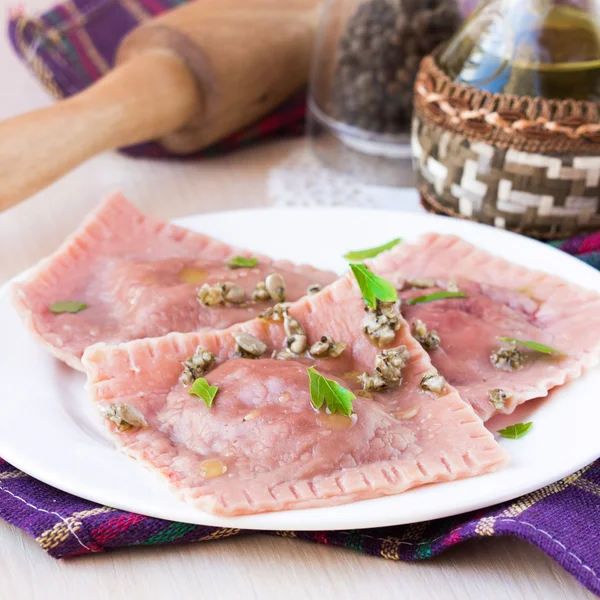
x=547 y=48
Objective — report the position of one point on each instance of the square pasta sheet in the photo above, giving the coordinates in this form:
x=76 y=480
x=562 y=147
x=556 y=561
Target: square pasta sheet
x=501 y=300
x=263 y=446
x=139 y=277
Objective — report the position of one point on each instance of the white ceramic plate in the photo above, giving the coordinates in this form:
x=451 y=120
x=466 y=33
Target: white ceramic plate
x=49 y=430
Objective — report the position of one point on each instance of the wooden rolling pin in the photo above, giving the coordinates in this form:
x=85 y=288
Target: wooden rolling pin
x=187 y=78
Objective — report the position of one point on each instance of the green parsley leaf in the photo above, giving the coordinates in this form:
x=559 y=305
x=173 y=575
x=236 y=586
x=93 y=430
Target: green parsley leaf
x=373 y=288
x=358 y=255
x=435 y=296
x=337 y=398
x=202 y=389
x=240 y=262
x=67 y=307
x=533 y=345
x=514 y=432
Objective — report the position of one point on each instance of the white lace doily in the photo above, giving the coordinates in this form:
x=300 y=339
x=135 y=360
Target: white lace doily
x=302 y=180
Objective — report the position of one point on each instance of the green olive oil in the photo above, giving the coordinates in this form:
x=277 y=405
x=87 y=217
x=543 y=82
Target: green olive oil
x=528 y=49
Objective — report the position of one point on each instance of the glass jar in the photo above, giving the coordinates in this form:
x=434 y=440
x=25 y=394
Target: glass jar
x=365 y=62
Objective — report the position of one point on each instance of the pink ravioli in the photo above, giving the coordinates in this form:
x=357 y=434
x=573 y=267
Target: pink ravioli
x=503 y=300
x=139 y=276
x=270 y=449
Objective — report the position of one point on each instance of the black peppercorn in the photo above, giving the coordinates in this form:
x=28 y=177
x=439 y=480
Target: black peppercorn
x=378 y=57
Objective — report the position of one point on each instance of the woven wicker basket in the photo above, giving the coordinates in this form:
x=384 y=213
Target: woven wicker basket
x=531 y=165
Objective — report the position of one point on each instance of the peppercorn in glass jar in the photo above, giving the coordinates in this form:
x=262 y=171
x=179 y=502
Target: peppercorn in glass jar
x=364 y=66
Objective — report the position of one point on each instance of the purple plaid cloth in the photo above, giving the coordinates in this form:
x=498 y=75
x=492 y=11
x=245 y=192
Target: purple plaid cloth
x=562 y=519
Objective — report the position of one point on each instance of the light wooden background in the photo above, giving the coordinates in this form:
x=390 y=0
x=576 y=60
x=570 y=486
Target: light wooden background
x=259 y=567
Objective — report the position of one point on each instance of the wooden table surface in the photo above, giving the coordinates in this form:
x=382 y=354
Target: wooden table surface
x=258 y=567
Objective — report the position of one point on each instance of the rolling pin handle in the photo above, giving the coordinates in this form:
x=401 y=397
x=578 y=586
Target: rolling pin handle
x=147 y=97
